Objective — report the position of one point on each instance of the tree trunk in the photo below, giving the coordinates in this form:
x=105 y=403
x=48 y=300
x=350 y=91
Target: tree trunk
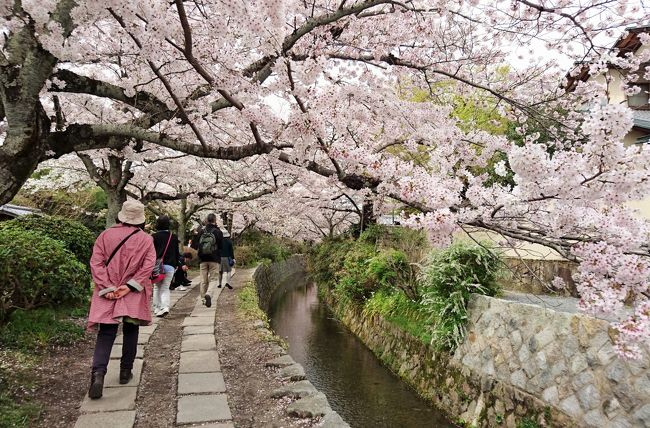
x=115 y=200
x=368 y=218
x=14 y=171
x=182 y=224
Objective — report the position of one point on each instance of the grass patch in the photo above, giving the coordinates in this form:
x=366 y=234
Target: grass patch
x=398 y=309
x=248 y=308
x=24 y=339
x=17 y=381
x=248 y=304
x=36 y=330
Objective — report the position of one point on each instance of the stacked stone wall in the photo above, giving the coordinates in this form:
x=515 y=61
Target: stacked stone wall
x=566 y=360
x=268 y=278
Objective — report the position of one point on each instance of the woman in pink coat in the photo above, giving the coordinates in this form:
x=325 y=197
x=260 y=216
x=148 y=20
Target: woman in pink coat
x=121 y=264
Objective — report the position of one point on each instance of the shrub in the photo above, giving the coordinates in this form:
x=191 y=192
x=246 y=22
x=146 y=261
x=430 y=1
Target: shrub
x=37 y=271
x=355 y=280
x=326 y=260
x=254 y=246
x=448 y=280
x=75 y=237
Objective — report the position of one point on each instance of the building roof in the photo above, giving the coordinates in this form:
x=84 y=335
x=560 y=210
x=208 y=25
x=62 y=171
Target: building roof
x=641 y=119
x=10 y=210
x=625 y=44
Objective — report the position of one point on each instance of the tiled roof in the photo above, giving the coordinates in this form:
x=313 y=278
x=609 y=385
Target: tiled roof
x=17 y=211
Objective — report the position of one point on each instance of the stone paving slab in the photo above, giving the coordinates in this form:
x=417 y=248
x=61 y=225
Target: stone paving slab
x=116 y=352
x=148 y=329
x=198 y=342
x=112 y=379
x=113 y=399
x=198 y=329
x=217 y=425
x=199 y=362
x=124 y=419
x=142 y=339
x=198 y=321
x=204 y=314
x=203 y=408
x=197 y=383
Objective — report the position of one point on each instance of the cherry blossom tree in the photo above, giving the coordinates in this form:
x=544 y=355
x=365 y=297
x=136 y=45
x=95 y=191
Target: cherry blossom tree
x=318 y=86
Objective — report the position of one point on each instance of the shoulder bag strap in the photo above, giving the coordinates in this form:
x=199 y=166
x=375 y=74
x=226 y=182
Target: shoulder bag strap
x=120 y=246
x=166 y=246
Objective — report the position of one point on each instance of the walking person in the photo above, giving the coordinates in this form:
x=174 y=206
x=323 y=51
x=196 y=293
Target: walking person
x=227 y=260
x=208 y=245
x=121 y=263
x=166 y=244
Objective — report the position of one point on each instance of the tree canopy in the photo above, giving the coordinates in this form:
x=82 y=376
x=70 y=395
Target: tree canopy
x=304 y=99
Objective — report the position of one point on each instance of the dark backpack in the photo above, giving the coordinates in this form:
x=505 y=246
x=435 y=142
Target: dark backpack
x=208 y=243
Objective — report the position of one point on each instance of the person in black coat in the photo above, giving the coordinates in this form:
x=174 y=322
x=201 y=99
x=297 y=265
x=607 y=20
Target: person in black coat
x=166 y=244
x=227 y=260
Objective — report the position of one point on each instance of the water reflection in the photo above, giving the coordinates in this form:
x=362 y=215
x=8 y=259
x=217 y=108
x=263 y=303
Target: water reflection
x=364 y=392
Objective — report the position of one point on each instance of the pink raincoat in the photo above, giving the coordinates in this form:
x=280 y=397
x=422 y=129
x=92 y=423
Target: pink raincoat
x=132 y=263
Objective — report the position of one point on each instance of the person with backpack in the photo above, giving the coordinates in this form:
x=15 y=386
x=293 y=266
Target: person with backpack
x=227 y=260
x=167 y=254
x=121 y=264
x=208 y=245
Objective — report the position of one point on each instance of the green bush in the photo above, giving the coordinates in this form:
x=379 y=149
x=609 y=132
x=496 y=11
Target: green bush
x=355 y=281
x=326 y=260
x=254 y=246
x=75 y=237
x=37 y=271
x=448 y=280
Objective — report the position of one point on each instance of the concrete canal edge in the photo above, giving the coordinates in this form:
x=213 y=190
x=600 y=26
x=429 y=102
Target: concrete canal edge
x=519 y=362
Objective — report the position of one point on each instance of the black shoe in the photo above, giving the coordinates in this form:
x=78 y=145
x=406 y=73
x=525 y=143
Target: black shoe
x=219 y=286
x=187 y=282
x=228 y=285
x=125 y=376
x=96 y=389
x=208 y=301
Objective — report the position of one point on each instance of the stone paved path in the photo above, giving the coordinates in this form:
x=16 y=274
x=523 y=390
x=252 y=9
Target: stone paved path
x=201 y=391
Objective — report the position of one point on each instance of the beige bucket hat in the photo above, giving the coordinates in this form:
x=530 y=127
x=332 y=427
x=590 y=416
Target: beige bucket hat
x=132 y=212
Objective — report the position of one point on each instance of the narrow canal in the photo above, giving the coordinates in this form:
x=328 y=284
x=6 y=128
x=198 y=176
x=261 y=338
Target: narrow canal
x=363 y=391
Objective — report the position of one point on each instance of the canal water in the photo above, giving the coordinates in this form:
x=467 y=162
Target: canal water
x=363 y=391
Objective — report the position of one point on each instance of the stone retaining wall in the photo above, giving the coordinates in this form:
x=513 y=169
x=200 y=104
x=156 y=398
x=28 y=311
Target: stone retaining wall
x=566 y=360
x=519 y=362
x=268 y=278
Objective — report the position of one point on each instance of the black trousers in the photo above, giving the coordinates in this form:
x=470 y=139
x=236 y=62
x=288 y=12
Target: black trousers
x=106 y=338
x=180 y=277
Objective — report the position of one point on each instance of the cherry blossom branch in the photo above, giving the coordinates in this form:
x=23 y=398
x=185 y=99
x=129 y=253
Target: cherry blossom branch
x=78 y=137
x=165 y=82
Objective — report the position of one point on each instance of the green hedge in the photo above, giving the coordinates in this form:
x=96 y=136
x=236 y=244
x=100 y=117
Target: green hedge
x=37 y=271
x=75 y=236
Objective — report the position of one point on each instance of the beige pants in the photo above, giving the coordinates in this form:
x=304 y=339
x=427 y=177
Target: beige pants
x=209 y=271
